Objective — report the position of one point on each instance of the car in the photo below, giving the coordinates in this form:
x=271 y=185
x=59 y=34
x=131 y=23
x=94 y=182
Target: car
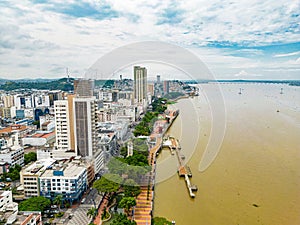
x=83 y=200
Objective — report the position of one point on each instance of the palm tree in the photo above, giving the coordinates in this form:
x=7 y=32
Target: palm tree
x=91 y=212
x=57 y=200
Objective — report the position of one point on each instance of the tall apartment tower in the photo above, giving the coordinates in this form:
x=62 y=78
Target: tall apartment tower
x=8 y=101
x=140 y=84
x=64 y=124
x=85 y=120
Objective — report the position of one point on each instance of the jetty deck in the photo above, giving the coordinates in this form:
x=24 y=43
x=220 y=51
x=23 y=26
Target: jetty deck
x=183 y=170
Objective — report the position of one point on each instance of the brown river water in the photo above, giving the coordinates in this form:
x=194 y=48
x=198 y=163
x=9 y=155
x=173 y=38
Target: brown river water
x=255 y=178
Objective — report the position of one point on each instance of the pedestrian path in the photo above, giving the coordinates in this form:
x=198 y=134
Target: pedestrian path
x=143 y=208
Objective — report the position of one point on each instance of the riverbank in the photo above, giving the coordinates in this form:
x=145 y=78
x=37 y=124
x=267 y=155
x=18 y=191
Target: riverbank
x=143 y=210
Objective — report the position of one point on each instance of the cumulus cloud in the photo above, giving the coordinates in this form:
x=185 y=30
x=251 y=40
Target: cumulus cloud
x=39 y=32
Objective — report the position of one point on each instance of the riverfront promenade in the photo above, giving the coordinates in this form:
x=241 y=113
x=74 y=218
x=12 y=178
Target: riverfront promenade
x=144 y=202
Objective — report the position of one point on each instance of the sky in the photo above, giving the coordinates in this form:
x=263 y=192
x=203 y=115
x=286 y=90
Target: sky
x=236 y=39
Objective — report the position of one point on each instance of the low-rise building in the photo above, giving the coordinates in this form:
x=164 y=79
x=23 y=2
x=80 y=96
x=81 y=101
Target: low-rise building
x=12 y=155
x=68 y=179
x=39 y=138
x=29 y=176
x=5 y=200
x=13 y=217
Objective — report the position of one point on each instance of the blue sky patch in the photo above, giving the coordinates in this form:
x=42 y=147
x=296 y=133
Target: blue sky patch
x=170 y=16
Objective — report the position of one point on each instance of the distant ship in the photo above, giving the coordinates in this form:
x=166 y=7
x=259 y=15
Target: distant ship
x=281 y=91
x=240 y=92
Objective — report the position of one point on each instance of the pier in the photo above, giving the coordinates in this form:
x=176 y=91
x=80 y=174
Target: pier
x=183 y=170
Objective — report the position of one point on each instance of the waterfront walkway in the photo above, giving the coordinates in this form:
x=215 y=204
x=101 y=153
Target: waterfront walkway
x=144 y=203
x=143 y=208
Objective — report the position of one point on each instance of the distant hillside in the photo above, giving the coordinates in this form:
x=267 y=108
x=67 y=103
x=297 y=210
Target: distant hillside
x=40 y=84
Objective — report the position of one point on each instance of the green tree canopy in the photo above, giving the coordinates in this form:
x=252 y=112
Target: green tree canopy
x=34 y=204
x=137 y=159
x=13 y=174
x=121 y=219
x=117 y=166
x=131 y=188
x=126 y=203
x=108 y=183
x=29 y=157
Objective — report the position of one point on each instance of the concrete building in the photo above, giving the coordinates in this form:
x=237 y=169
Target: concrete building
x=166 y=86
x=85 y=119
x=20 y=114
x=140 y=84
x=12 y=154
x=84 y=88
x=8 y=101
x=5 y=200
x=54 y=96
x=28 y=218
x=68 y=179
x=29 y=176
x=3 y=142
x=108 y=145
x=13 y=217
x=39 y=138
x=42 y=100
x=6 y=113
x=64 y=124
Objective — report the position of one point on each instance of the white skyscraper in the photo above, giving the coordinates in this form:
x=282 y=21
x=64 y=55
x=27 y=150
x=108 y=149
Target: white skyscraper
x=64 y=124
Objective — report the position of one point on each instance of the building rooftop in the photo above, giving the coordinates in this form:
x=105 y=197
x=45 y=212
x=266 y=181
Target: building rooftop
x=43 y=134
x=68 y=169
x=12 y=128
x=38 y=167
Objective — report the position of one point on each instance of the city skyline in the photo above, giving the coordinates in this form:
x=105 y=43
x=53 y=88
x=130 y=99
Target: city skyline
x=236 y=40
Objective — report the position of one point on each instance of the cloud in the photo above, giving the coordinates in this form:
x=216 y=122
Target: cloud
x=287 y=54
x=243 y=73
x=228 y=35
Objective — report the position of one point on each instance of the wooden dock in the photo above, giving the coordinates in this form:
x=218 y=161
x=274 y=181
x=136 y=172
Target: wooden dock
x=183 y=170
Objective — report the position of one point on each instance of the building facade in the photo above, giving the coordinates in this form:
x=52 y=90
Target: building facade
x=66 y=179
x=29 y=176
x=85 y=119
x=64 y=124
x=140 y=84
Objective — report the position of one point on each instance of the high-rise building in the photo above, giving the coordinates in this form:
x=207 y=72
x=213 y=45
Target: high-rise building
x=64 y=124
x=84 y=88
x=85 y=119
x=140 y=84
x=158 y=79
x=166 y=86
x=8 y=101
